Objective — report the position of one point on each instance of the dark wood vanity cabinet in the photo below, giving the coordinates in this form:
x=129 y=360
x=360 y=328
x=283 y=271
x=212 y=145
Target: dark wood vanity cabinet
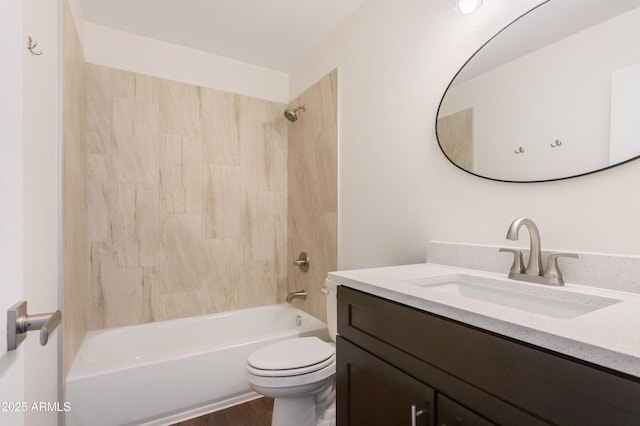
x=391 y=356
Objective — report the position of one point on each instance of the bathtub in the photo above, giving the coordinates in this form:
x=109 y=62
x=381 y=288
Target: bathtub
x=165 y=372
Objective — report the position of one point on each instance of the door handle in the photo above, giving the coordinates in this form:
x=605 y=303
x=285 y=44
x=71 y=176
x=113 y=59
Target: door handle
x=19 y=322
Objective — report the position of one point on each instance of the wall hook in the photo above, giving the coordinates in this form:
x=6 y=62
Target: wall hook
x=31 y=47
x=558 y=142
x=519 y=150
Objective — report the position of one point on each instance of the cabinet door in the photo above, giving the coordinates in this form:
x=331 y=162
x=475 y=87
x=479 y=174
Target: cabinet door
x=372 y=392
x=451 y=413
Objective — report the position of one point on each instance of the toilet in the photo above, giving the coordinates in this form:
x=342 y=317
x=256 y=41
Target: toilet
x=299 y=374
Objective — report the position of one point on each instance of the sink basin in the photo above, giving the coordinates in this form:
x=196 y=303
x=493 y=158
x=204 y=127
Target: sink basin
x=525 y=297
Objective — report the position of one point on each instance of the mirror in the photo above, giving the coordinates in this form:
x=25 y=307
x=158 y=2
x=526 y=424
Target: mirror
x=556 y=94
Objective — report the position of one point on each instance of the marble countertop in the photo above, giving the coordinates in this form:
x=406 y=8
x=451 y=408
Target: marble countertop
x=609 y=336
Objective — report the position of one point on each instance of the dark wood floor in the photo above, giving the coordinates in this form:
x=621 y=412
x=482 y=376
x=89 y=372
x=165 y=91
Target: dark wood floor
x=252 y=413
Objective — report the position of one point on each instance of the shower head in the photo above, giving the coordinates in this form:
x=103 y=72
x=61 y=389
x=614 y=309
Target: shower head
x=292 y=114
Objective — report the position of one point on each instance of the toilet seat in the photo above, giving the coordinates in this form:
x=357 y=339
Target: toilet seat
x=265 y=383
x=293 y=357
x=292 y=371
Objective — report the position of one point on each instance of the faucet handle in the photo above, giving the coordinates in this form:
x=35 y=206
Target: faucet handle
x=552 y=271
x=518 y=265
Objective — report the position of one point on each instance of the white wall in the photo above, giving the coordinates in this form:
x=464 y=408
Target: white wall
x=397 y=190
x=131 y=52
x=625 y=107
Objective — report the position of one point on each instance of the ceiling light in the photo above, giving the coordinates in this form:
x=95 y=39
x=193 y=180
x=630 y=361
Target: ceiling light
x=467 y=6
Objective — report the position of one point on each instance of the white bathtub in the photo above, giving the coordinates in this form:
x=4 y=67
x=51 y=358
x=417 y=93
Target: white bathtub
x=165 y=372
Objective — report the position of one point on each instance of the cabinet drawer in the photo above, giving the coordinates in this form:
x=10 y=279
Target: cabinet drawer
x=549 y=386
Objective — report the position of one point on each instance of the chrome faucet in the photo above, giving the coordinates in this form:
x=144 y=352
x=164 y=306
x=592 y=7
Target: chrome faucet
x=302 y=294
x=533 y=272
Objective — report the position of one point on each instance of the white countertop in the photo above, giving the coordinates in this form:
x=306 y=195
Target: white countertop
x=609 y=336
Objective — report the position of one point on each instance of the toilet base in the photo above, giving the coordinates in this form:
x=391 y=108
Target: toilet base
x=294 y=411
x=309 y=409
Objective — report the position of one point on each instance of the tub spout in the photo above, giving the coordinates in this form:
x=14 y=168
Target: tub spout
x=302 y=294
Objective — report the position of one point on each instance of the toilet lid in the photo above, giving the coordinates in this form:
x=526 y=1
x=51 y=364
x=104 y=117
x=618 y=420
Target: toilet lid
x=291 y=354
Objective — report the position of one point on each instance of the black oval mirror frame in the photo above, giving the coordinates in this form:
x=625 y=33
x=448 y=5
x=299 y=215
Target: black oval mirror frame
x=516 y=149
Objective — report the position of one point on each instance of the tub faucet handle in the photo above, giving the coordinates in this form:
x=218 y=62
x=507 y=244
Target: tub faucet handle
x=302 y=262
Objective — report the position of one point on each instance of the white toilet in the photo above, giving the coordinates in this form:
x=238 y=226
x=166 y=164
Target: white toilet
x=300 y=374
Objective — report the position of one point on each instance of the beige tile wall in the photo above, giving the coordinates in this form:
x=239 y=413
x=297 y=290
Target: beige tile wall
x=75 y=270
x=455 y=135
x=185 y=190
x=187 y=199
x=313 y=192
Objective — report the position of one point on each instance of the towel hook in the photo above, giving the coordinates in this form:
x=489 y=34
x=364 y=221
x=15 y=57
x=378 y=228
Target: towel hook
x=31 y=47
x=558 y=142
x=519 y=150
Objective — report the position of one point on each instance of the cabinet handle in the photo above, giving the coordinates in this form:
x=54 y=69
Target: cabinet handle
x=415 y=413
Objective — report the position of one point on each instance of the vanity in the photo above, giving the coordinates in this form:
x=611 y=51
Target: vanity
x=416 y=348
x=435 y=344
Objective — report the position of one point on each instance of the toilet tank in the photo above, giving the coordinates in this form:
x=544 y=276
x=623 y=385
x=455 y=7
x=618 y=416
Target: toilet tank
x=331 y=291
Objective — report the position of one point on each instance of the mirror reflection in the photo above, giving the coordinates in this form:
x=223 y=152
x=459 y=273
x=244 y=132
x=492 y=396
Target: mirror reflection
x=556 y=94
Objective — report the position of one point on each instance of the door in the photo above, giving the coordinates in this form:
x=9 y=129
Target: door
x=11 y=281
x=29 y=193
